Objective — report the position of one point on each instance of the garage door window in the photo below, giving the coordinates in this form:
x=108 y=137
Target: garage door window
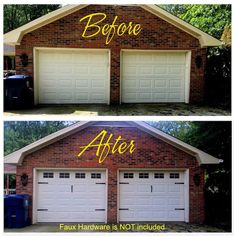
x=80 y=175
x=174 y=175
x=48 y=175
x=64 y=175
x=128 y=175
x=159 y=175
x=143 y=175
x=96 y=176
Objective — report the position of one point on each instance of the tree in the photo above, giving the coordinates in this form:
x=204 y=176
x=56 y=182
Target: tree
x=18 y=134
x=18 y=15
x=211 y=19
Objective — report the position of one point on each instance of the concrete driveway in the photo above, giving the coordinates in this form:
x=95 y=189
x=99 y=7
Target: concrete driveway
x=123 y=110
x=158 y=227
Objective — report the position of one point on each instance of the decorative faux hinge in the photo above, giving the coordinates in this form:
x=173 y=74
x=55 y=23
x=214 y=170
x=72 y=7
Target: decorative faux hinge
x=42 y=182
x=179 y=183
x=179 y=209
x=100 y=183
x=99 y=209
x=124 y=183
x=42 y=209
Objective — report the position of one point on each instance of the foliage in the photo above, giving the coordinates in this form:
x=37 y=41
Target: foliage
x=215 y=139
x=12 y=181
x=211 y=19
x=218 y=77
x=18 y=15
x=18 y=134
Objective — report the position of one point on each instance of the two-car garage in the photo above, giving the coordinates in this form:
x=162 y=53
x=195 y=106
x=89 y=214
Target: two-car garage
x=81 y=196
x=82 y=76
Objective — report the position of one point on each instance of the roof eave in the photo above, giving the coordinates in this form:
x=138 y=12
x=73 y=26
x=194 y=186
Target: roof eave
x=14 y=37
x=202 y=157
x=16 y=158
x=205 y=39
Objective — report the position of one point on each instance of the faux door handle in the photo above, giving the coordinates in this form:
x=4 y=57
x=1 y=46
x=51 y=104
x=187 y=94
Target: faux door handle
x=151 y=188
x=71 y=188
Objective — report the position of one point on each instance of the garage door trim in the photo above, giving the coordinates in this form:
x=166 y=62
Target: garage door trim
x=36 y=66
x=35 y=182
x=186 y=189
x=187 y=69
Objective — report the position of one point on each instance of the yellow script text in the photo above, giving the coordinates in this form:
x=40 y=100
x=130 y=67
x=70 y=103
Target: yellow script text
x=104 y=147
x=109 y=30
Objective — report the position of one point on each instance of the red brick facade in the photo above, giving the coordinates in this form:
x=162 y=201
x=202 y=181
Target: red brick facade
x=150 y=153
x=156 y=34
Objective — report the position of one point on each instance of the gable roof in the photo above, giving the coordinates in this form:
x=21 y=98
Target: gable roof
x=17 y=157
x=14 y=37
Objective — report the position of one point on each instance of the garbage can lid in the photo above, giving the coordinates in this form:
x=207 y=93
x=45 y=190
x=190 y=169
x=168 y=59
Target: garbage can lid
x=18 y=77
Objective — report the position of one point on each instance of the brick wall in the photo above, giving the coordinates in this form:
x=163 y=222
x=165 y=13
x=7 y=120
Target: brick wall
x=156 y=34
x=150 y=153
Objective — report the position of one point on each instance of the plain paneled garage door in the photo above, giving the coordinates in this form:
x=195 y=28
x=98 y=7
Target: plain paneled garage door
x=73 y=76
x=154 y=77
x=152 y=196
x=71 y=196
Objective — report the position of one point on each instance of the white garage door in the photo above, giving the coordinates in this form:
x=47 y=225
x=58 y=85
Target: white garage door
x=152 y=196
x=71 y=196
x=150 y=77
x=67 y=76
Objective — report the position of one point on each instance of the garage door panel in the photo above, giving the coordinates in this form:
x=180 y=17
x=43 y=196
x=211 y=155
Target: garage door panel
x=47 y=83
x=145 y=84
x=130 y=70
x=97 y=70
x=158 y=201
x=159 y=84
x=145 y=57
x=160 y=70
x=176 y=70
x=98 y=83
x=66 y=83
x=153 y=198
x=81 y=70
x=151 y=72
x=145 y=96
x=130 y=84
x=175 y=84
x=159 y=188
x=175 y=56
x=160 y=59
x=74 y=70
x=161 y=96
x=82 y=83
x=145 y=70
x=82 y=96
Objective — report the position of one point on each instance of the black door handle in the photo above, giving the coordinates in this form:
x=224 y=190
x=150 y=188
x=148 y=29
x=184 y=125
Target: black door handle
x=71 y=188
x=151 y=188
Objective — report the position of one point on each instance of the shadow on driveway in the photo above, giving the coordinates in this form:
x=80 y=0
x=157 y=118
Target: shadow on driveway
x=168 y=227
x=123 y=110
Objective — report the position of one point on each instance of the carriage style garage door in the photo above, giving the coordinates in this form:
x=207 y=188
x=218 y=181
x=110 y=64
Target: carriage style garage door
x=71 y=196
x=152 y=196
x=72 y=76
x=152 y=77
